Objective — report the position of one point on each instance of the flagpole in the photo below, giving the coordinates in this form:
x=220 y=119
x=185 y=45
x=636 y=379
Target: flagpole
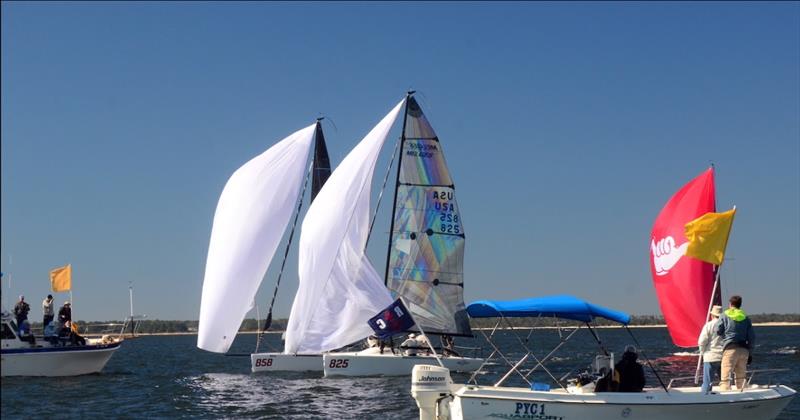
x=708 y=315
x=711 y=301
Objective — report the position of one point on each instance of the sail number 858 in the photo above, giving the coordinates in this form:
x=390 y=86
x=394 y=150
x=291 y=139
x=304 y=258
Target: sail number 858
x=264 y=362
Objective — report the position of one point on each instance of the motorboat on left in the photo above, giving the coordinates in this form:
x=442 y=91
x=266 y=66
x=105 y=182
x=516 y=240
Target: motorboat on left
x=26 y=355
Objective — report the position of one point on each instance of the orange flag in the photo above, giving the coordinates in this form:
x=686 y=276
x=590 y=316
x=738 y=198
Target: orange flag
x=61 y=278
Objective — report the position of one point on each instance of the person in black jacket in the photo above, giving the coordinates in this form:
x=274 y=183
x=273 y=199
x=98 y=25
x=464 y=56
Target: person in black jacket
x=65 y=313
x=628 y=372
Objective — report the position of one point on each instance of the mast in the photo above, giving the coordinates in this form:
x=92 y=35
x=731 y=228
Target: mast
x=396 y=187
x=317 y=175
x=130 y=293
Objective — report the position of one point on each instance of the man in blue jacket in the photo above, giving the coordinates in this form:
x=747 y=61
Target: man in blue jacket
x=738 y=340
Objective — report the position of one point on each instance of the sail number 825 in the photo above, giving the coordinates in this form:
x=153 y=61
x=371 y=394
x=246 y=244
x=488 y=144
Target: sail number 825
x=338 y=363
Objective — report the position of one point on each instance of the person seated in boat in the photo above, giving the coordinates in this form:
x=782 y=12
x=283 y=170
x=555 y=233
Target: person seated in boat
x=65 y=313
x=69 y=334
x=25 y=332
x=75 y=338
x=374 y=341
x=424 y=343
x=628 y=373
x=415 y=344
x=448 y=346
x=607 y=382
x=51 y=332
x=409 y=346
x=64 y=333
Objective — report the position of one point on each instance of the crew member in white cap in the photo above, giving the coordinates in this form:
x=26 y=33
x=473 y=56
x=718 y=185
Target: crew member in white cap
x=711 y=347
x=65 y=313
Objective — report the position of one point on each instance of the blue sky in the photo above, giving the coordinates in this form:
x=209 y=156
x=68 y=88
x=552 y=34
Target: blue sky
x=566 y=127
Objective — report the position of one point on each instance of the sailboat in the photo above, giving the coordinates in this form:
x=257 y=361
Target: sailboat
x=424 y=264
x=685 y=288
x=254 y=209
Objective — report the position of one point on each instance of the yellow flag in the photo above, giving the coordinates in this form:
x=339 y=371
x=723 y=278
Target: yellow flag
x=61 y=278
x=708 y=236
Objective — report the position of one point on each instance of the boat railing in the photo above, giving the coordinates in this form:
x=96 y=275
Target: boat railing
x=476 y=352
x=748 y=377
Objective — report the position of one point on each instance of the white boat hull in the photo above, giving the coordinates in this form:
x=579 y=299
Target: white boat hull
x=280 y=362
x=474 y=402
x=55 y=361
x=372 y=363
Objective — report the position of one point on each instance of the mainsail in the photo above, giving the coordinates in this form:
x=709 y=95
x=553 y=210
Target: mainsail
x=339 y=289
x=322 y=164
x=252 y=214
x=684 y=285
x=426 y=247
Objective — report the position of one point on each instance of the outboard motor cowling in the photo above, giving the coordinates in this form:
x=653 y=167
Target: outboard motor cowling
x=430 y=385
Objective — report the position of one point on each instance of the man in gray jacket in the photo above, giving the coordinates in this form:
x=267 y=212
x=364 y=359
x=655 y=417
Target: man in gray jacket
x=738 y=340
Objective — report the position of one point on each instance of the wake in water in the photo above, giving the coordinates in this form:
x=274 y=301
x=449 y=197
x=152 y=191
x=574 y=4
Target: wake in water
x=785 y=350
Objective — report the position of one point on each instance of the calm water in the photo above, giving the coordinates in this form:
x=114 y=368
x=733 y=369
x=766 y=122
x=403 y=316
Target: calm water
x=168 y=376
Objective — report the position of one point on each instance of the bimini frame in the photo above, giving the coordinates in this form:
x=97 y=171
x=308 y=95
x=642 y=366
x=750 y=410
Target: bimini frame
x=557 y=307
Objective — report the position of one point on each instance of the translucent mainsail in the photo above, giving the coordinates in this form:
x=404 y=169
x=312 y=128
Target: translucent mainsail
x=253 y=211
x=426 y=258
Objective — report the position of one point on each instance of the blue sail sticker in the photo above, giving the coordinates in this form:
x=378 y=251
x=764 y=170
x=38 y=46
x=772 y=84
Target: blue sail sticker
x=393 y=320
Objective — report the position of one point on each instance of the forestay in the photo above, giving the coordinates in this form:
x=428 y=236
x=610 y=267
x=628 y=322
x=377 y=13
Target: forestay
x=252 y=214
x=426 y=257
x=339 y=289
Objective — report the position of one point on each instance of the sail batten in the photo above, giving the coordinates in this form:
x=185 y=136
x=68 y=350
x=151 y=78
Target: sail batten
x=253 y=211
x=426 y=253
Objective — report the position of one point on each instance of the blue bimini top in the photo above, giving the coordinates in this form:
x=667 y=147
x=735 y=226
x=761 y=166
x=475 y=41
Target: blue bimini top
x=562 y=306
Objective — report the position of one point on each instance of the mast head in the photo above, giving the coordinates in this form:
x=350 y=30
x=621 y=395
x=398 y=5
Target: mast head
x=411 y=92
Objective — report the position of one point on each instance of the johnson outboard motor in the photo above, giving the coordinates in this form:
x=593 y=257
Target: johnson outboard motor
x=430 y=387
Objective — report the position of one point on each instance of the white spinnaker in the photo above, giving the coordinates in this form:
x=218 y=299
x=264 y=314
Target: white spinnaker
x=252 y=214
x=339 y=288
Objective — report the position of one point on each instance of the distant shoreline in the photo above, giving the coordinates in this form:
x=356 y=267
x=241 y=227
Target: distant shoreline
x=760 y=324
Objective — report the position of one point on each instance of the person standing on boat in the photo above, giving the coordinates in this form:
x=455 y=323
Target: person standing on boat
x=629 y=374
x=47 y=310
x=711 y=346
x=65 y=313
x=738 y=340
x=21 y=310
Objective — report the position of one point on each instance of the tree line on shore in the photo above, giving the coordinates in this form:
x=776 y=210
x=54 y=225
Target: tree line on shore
x=251 y=325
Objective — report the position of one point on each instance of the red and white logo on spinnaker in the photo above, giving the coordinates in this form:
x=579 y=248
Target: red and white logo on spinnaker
x=666 y=254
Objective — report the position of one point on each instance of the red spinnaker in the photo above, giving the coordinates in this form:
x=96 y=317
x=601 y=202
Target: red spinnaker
x=683 y=284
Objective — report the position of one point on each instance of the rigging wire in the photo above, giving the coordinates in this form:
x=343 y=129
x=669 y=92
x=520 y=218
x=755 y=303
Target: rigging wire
x=383 y=188
x=268 y=321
